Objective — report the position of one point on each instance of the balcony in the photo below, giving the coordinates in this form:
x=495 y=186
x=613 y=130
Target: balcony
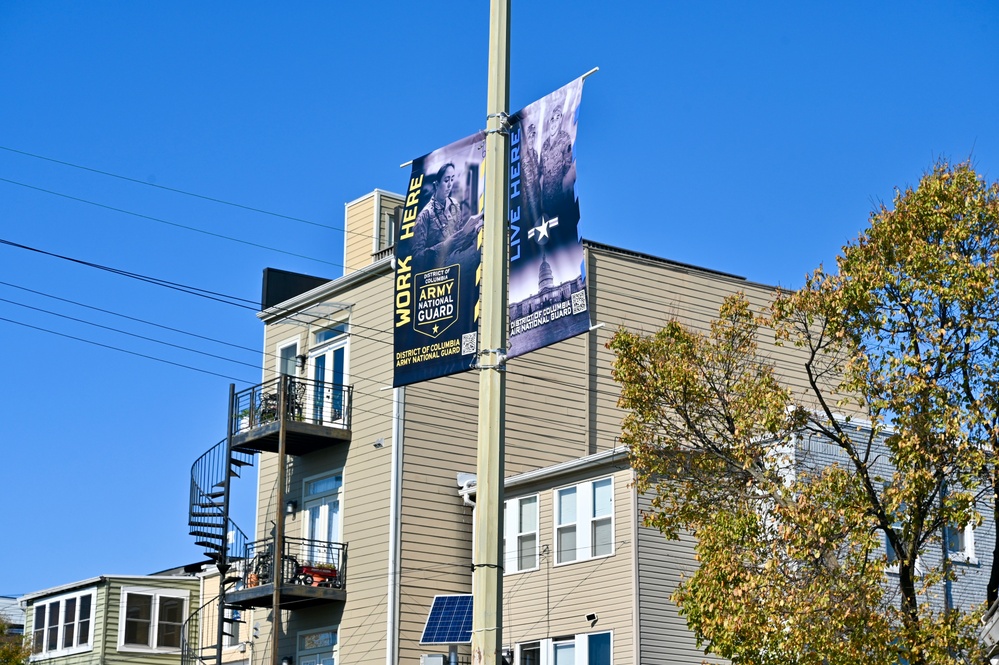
x=311 y=572
x=317 y=415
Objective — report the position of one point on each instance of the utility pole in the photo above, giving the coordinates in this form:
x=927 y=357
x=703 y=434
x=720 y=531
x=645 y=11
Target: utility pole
x=487 y=557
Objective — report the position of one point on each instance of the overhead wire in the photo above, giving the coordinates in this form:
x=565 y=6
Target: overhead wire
x=130 y=334
x=133 y=353
x=160 y=220
x=184 y=192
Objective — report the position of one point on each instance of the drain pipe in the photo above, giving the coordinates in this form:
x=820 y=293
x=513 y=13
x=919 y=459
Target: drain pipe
x=395 y=527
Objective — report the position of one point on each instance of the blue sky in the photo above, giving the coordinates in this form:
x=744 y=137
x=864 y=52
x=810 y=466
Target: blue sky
x=752 y=138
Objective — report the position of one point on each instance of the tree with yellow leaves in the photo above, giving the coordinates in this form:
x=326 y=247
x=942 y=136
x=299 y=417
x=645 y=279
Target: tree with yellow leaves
x=899 y=349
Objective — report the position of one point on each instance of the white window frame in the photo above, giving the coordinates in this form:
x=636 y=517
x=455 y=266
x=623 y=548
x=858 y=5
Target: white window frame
x=301 y=653
x=154 y=619
x=317 y=349
x=281 y=346
x=515 y=533
x=547 y=647
x=967 y=554
x=584 y=521
x=59 y=650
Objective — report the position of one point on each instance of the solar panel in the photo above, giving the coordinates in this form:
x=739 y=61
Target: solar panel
x=449 y=621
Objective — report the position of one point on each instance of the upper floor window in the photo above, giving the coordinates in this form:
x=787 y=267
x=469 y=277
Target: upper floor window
x=521 y=538
x=960 y=543
x=584 y=521
x=62 y=625
x=151 y=619
x=287 y=353
x=330 y=333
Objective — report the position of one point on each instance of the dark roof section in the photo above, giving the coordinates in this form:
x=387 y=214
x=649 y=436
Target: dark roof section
x=659 y=259
x=282 y=285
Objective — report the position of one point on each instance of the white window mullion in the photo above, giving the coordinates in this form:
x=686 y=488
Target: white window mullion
x=584 y=532
x=509 y=536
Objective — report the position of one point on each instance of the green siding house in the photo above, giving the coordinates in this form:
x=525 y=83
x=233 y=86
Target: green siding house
x=112 y=619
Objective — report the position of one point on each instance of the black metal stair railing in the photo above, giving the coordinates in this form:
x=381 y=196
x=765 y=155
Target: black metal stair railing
x=213 y=530
x=304 y=561
x=307 y=400
x=199 y=648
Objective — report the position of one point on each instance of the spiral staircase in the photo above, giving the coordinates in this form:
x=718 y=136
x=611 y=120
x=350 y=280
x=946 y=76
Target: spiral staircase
x=222 y=542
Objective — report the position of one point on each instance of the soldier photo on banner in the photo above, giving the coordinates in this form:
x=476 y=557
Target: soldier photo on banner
x=437 y=257
x=547 y=292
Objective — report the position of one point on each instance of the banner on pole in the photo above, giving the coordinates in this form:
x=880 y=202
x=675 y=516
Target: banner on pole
x=437 y=259
x=547 y=292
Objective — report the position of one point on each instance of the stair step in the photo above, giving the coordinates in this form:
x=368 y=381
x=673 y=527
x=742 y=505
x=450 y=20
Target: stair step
x=220 y=483
x=197 y=533
x=240 y=462
x=210 y=525
x=228 y=620
x=209 y=504
x=206 y=513
x=214 y=495
x=217 y=546
x=232 y=580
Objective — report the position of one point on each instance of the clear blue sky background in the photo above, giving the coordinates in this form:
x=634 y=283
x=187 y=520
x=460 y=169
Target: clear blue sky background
x=753 y=138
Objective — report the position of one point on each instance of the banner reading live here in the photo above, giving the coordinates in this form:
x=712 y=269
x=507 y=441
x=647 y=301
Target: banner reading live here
x=437 y=258
x=547 y=293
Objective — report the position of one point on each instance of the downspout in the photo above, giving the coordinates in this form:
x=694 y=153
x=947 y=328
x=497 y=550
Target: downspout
x=104 y=619
x=395 y=527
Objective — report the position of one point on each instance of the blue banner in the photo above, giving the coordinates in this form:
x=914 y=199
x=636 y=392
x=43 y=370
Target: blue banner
x=547 y=293
x=437 y=258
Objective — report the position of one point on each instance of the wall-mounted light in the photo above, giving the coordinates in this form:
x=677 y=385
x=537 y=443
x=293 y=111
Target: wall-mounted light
x=290 y=507
x=287 y=660
x=300 y=361
x=378 y=443
x=592 y=618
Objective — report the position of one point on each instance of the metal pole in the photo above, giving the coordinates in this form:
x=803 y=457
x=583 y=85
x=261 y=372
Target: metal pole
x=277 y=560
x=223 y=564
x=487 y=555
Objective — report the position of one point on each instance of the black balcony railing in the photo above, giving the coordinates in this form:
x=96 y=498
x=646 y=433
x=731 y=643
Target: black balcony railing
x=304 y=562
x=306 y=400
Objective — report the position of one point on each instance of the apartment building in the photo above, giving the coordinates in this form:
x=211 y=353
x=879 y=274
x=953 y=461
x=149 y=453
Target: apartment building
x=358 y=483
x=368 y=491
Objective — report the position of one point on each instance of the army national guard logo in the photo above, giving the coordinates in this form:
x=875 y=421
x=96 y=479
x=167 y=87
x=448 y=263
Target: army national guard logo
x=437 y=297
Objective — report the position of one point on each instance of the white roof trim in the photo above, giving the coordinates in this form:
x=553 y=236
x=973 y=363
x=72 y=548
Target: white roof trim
x=95 y=580
x=292 y=306
x=562 y=468
x=376 y=190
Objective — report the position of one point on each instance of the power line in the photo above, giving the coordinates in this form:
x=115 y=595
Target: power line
x=132 y=353
x=193 y=290
x=168 y=222
x=184 y=192
x=130 y=334
x=136 y=319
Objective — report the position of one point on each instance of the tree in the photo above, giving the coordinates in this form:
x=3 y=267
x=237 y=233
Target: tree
x=899 y=350
x=13 y=648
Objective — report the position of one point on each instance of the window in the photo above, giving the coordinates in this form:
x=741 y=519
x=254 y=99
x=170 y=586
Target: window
x=151 y=619
x=62 y=625
x=521 y=538
x=317 y=647
x=331 y=333
x=286 y=357
x=584 y=521
x=322 y=519
x=328 y=371
x=582 y=649
x=960 y=543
